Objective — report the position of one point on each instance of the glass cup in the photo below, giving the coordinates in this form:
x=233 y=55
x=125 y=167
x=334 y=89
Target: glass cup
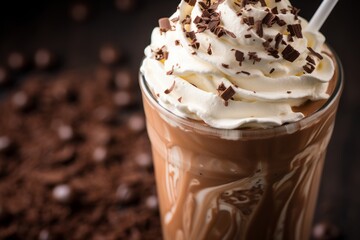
x=238 y=184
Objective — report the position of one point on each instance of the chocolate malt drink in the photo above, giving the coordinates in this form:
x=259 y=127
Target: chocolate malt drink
x=240 y=103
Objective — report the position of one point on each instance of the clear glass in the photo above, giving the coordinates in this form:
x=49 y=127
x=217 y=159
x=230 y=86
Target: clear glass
x=238 y=184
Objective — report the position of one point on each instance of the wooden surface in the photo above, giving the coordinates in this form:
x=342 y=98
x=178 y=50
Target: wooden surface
x=28 y=25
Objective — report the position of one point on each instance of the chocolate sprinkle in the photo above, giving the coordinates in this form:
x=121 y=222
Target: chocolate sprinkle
x=239 y=56
x=290 y=54
x=228 y=93
x=169 y=90
x=272 y=70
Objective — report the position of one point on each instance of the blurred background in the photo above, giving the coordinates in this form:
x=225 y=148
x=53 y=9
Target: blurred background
x=104 y=40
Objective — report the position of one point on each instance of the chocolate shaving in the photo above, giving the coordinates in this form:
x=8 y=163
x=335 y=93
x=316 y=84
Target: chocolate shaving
x=249 y=21
x=191 y=35
x=269 y=19
x=280 y=22
x=316 y=54
x=263 y=3
x=221 y=88
x=170 y=72
x=164 y=24
x=253 y=56
x=191 y=2
x=169 y=90
x=225 y=65
x=229 y=33
x=288 y=92
x=295 y=30
x=290 y=54
x=209 y=50
x=174 y=20
x=278 y=39
x=248 y=36
x=228 y=93
x=180 y=99
x=310 y=60
x=274 y=10
x=283 y=11
x=290 y=38
x=295 y=11
x=244 y=72
x=272 y=70
x=197 y=20
x=309 y=68
x=177 y=42
x=259 y=28
x=273 y=52
x=161 y=54
x=277 y=0
x=239 y=56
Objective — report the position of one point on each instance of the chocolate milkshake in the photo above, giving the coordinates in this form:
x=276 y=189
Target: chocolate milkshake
x=240 y=103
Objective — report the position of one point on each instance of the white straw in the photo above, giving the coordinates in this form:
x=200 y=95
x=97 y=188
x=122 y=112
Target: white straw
x=321 y=15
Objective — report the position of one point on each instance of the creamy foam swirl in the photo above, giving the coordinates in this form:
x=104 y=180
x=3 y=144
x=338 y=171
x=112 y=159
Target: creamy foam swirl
x=256 y=49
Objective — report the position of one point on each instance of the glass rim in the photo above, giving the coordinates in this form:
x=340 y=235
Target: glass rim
x=259 y=132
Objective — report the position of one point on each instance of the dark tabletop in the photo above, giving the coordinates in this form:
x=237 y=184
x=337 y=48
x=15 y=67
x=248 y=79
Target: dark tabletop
x=28 y=25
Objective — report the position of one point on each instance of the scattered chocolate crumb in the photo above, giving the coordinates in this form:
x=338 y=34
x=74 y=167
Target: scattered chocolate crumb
x=316 y=54
x=290 y=54
x=277 y=0
x=283 y=10
x=290 y=38
x=229 y=33
x=161 y=54
x=169 y=90
x=272 y=70
x=228 y=94
x=164 y=24
x=295 y=11
x=247 y=36
x=249 y=21
x=263 y=3
x=179 y=99
x=177 y=42
x=288 y=92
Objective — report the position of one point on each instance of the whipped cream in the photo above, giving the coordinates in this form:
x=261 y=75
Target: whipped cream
x=235 y=64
